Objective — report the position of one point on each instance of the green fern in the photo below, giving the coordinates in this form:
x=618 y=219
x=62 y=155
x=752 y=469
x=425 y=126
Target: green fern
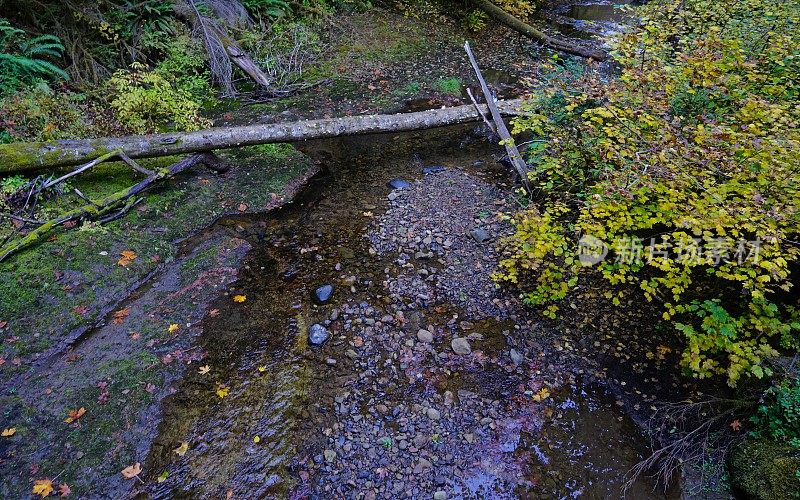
x=25 y=60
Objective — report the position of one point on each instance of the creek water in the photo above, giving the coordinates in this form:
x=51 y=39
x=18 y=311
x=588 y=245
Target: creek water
x=270 y=436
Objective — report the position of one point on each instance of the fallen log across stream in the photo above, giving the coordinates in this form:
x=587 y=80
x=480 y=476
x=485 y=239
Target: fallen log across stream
x=28 y=156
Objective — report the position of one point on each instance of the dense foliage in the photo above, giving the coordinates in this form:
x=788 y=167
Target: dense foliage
x=679 y=179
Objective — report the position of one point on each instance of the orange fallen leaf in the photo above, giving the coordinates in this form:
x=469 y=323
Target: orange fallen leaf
x=132 y=471
x=120 y=315
x=128 y=256
x=543 y=394
x=74 y=415
x=736 y=425
x=239 y=298
x=8 y=432
x=63 y=490
x=42 y=487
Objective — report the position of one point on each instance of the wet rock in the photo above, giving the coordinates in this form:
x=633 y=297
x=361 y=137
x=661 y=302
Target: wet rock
x=425 y=336
x=516 y=357
x=322 y=294
x=460 y=346
x=440 y=495
x=399 y=184
x=433 y=414
x=433 y=170
x=350 y=353
x=480 y=235
x=318 y=334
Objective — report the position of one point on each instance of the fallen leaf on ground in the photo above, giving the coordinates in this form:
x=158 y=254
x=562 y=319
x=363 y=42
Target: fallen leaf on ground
x=127 y=257
x=262 y=368
x=257 y=439
x=543 y=394
x=239 y=298
x=736 y=425
x=3 y=324
x=42 y=487
x=182 y=449
x=63 y=490
x=222 y=391
x=9 y=432
x=2 y=361
x=75 y=415
x=204 y=369
x=120 y=315
x=173 y=328
x=213 y=313
x=82 y=310
x=242 y=207
x=132 y=471
x=162 y=477
x=135 y=335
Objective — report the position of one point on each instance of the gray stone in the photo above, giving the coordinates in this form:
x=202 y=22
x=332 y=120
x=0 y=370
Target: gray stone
x=318 y=334
x=440 y=495
x=433 y=414
x=399 y=184
x=480 y=235
x=516 y=357
x=330 y=455
x=460 y=346
x=425 y=336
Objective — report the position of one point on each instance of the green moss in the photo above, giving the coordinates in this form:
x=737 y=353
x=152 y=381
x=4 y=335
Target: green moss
x=450 y=86
x=765 y=469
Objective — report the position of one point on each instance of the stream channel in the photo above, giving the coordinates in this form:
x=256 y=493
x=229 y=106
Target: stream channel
x=432 y=383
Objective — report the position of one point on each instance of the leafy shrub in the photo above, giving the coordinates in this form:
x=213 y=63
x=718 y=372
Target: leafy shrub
x=686 y=169
x=475 y=20
x=779 y=416
x=24 y=60
x=40 y=114
x=145 y=101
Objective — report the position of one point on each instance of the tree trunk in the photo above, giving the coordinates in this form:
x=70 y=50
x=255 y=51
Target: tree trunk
x=515 y=24
x=26 y=156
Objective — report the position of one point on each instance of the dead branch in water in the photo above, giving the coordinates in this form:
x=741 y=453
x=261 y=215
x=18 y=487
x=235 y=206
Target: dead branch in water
x=500 y=127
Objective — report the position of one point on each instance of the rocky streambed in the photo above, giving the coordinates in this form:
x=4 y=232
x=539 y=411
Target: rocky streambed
x=416 y=377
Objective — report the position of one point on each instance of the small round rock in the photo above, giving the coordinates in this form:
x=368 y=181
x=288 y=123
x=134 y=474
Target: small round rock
x=425 y=336
x=460 y=345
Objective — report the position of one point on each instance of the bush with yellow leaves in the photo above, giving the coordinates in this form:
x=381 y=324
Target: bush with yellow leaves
x=687 y=167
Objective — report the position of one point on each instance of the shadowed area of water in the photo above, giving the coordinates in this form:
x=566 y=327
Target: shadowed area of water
x=259 y=419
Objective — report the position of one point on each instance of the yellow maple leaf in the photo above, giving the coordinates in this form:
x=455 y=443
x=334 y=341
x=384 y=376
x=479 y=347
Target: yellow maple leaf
x=257 y=439
x=74 y=415
x=262 y=368
x=9 y=432
x=42 y=487
x=543 y=394
x=204 y=369
x=182 y=449
x=239 y=298
x=222 y=391
x=173 y=328
x=662 y=350
x=128 y=254
x=132 y=471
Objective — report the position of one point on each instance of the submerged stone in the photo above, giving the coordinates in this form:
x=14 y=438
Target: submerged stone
x=322 y=294
x=399 y=184
x=318 y=334
x=432 y=170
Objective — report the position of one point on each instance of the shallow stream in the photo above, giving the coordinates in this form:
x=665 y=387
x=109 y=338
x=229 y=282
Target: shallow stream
x=378 y=410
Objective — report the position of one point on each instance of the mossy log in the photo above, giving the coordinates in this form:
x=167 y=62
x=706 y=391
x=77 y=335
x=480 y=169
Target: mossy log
x=21 y=157
x=102 y=207
x=529 y=31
